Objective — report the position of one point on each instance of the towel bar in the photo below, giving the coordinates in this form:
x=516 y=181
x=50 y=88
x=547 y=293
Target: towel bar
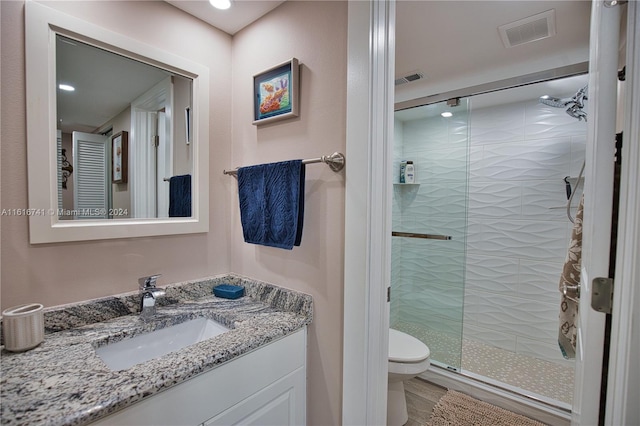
x=335 y=161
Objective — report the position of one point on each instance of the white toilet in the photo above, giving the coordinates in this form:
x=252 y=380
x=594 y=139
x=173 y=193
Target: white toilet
x=408 y=357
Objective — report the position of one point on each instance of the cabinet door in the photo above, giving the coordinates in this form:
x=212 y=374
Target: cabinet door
x=273 y=375
x=275 y=405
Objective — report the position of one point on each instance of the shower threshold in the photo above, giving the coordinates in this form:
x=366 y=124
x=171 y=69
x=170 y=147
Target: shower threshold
x=542 y=399
x=525 y=393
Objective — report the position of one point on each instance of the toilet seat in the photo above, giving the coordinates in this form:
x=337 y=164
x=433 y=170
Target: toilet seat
x=404 y=348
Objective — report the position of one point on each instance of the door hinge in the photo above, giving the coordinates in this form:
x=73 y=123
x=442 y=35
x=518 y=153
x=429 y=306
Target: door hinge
x=602 y=294
x=388 y=294
x=156 y=141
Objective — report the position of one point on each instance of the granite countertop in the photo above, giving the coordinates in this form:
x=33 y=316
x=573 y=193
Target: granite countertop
x=63 y=382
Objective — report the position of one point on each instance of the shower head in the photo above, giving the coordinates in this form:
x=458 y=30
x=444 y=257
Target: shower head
x=553 y=101
x=574 y=105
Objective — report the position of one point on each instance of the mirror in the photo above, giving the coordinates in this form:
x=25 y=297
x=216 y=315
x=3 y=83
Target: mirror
x=124 y=154
x=107 y=103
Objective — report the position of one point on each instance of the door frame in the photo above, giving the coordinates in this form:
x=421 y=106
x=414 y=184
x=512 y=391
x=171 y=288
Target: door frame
x=598 y=202
x=371 y=50
x=367 y=265
x=143 y=171
x=624 y=371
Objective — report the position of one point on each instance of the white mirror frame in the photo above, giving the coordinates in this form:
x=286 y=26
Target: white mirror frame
x=42 y=24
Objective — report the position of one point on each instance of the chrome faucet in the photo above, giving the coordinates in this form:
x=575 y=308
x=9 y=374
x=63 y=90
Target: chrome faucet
x=148 y=294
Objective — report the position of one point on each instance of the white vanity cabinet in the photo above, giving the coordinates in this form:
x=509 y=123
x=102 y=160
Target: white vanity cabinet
x=264 y=387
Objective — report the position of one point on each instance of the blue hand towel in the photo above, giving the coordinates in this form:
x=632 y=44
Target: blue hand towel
x=272 y=203
x=180 y=196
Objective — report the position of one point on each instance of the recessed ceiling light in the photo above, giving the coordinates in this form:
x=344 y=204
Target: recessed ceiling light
x=66 y=87
x=221 y=4
x=447 y=114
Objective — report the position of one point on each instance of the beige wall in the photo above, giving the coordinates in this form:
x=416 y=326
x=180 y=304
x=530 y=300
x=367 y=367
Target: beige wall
x=59 y=273
x=182 y=153
x=316 y=34
x=121 y=197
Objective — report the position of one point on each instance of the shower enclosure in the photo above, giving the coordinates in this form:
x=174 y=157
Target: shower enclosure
x=430 y=228
x=493 y=176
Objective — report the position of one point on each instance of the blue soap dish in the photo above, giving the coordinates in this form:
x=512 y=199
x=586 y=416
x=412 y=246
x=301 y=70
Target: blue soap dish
x=228 y=291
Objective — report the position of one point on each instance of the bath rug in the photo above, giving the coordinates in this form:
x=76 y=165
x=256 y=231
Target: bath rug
x=458 y=409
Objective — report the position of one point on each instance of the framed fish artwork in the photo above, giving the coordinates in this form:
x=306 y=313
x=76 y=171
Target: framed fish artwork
x=275 y=93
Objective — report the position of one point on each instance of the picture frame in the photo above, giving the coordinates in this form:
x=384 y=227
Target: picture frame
x=276 y=93
x=119 y=157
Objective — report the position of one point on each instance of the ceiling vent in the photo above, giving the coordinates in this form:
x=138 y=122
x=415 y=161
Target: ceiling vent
x=533 y=28
x=409 y=78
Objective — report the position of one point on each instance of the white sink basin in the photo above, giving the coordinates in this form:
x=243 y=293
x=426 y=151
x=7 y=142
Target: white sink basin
x=129 y=352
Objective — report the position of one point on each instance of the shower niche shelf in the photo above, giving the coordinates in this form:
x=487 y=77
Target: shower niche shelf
x=405 y=184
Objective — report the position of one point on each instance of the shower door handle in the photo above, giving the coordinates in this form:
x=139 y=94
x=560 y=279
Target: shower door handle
x=418 y=235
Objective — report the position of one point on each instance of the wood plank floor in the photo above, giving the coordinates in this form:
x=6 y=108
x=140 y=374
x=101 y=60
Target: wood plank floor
x=422 y=396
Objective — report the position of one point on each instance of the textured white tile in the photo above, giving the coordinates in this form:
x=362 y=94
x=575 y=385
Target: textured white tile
x=448 y=223
x=400 y=293
x=425 y=133
x=396 y=218
x=424 y=264
x=547 y=350
x=489 y=337
x=403 y=196
x=497 y=124
x=539 y=280
x=496 y=274
x=543 y=121
x=476 y=154
x=393 y=314
x=430 y=322
x=442 y=164
x=528 y=239
x=512 y=315
x=540 y=159
x=453 y=226
x=396 y=254
x=458 y=129
x=578 y=150
x=439 y=201
x=495 y=199
x=450 y=285
x=429 y=304
x=398 y=139
x=539 y=199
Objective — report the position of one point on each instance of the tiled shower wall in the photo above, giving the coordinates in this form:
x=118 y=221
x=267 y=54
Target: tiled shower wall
x=514 y=236
x=517 y=237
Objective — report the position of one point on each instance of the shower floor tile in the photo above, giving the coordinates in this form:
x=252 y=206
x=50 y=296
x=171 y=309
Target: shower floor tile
x=535 y=375
x=532 y=375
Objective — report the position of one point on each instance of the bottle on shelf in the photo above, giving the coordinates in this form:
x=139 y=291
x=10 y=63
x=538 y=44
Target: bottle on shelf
x=410 y=173
x=403 y=166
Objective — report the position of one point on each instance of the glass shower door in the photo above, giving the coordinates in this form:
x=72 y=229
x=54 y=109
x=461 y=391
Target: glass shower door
x=429 y=228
